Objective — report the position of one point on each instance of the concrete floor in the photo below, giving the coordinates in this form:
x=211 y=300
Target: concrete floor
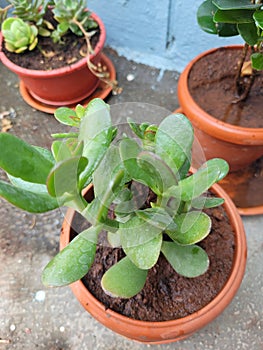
x=32 y=317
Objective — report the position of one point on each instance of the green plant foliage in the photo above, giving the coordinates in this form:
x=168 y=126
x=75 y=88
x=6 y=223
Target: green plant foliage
x=235 y=17
x=21 y=32
x=124 y=173
x=19 y=35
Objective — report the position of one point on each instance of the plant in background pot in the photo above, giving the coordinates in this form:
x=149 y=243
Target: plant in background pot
x=220 y=91
x=55 y=47
x=143 y=206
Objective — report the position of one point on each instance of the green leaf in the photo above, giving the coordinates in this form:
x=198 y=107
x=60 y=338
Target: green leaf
x=206 y=202
x=137 y=231
x=189 y=261
x=33 y=202
x=97 y=133
x=129 y=152
x=74 y=261
x=157 y=169
x=145 y=255
x=109 y=166
x=257 y=61
x=96 y=212
x=64 y=176
x=258 y=17
x=174 y=139
x=20 y=159
x=235 y=4
x=123 y=279
x=234 y=16
x=205 y=17
x=157 y=217
x=67 y=116
x=192 y=227
x=249 y=33
x=196 y=184
x=63 y=150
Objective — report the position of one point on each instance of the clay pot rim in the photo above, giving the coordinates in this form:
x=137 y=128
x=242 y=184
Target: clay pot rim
x=206 y=122
x=200 y=318
x=58 y=71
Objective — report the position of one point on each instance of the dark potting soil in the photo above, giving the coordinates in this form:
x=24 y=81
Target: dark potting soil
x=167 y=295
x=49 y=55
x=212 y=85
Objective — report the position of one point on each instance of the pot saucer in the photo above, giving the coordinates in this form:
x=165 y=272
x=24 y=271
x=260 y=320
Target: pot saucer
x=102 y=91
x=245 y=187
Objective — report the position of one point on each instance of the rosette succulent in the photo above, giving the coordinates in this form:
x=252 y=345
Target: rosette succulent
x=19 y=35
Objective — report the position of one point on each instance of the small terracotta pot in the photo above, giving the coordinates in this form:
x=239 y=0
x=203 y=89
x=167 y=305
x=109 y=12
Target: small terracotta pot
x=239 y=146
x=62 y=86
x=174 y=330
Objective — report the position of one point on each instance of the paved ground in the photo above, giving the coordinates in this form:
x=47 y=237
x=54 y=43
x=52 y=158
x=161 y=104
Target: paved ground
x=32 y=317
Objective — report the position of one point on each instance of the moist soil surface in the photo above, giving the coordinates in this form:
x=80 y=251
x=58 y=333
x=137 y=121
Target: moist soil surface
x=212 y=85
x=49 y=55
x=167 y=295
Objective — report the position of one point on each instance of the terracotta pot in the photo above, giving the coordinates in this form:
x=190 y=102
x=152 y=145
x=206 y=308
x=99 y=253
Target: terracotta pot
x=62 y=86
x=174 y=330
x=239 y=146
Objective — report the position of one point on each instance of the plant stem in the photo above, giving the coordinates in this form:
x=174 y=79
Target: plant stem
x=98 y=70
x=243 y=87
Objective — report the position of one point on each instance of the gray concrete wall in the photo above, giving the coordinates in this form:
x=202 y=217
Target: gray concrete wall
x=162 y=34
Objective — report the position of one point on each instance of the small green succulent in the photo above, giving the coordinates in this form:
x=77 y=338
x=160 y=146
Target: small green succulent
x=158 y=161
x=19 y=35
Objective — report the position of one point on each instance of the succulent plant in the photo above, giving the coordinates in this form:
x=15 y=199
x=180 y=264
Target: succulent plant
x=19 y=35
x=158 y=161
x=71 y=15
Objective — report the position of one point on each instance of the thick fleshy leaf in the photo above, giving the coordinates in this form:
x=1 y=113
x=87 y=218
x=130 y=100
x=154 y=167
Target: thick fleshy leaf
x=249 y=32
x=96 y=212
x=234 y=16
x=206 y=202
x=145 y=255
x=196 y=184
x=174 y=139
x=129 y=152
x=67 y=116
x=64 y=176
x=62 y=150
x=189 y=261
x=157 y=169
x=123 y=279
x=96 y=132
x=109 y=166
x=157 y=217
x=20 y=159
x=192 y=227
x=137 y=231
x=33 y=202
x=236 y=4
x=74 y=261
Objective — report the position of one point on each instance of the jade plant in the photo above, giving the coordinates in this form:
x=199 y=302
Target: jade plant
x=245 y=18
x=155 y=158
